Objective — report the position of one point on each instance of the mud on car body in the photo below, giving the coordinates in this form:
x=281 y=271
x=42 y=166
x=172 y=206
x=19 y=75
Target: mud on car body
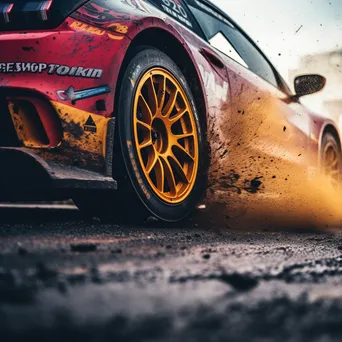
x=148 y=106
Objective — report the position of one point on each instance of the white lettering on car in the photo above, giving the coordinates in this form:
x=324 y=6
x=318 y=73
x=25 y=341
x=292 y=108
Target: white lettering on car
x=176 y=10
x=210 y=83
x=60 y=70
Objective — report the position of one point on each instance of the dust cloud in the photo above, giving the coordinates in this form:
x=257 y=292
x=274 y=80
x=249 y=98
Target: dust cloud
x=300 y=204
x=271 y=176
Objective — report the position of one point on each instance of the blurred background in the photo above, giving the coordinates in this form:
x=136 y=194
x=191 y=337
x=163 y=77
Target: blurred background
x=298 y=36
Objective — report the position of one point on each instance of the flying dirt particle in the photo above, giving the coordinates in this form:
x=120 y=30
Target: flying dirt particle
x=284 y=129
x=274 y=177
x=299 y=29
x=239 y=282
x=236 y=176
x=84 y=247
x=225 y=152
x=254 y=185
x=206 y=256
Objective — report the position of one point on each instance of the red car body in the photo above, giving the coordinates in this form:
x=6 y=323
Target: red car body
x=57 y=140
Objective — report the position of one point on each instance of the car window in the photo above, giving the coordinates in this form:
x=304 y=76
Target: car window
x=231 y=41
x=221 y=43
x=179 y=11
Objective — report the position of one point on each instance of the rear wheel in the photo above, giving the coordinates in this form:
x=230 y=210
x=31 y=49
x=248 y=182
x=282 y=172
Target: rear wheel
x=331 y=160
x=158 y=166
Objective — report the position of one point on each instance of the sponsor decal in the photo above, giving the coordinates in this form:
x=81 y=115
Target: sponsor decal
x=115 y=27
x=210 y=83
x=75 y=95
x=50 y=69
x=90 y=125
x=176 y=10
x=136 y=170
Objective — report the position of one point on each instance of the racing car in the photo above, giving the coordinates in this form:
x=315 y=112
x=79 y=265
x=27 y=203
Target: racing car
x=147 y=108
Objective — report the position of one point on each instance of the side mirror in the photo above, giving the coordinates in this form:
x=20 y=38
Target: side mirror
x=308 y=84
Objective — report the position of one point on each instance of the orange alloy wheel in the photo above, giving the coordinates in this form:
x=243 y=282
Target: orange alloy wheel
x=165 y=136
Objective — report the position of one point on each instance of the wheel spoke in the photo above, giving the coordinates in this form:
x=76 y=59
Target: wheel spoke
x=178 y=116
x=170 y=177
x=161 y=93
x=171 y=104
x=179 y=168
x=184 y=151
x=184 y=136
x=144 y=124
x=145 y=143
x=152 y=161
x=152 y=96
x=146 y=110
x=160 y=176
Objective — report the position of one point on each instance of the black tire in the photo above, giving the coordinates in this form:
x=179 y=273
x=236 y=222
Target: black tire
x=330 y=144
x=135 y=198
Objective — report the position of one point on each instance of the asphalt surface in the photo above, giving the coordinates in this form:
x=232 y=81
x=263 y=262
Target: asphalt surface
x=67 y=278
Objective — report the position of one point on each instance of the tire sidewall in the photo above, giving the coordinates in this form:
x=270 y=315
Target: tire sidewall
x=140 y=64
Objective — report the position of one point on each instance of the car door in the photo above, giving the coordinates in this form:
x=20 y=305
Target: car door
x=263 y=145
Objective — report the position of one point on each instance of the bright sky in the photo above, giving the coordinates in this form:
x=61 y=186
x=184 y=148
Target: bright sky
x=273 y=25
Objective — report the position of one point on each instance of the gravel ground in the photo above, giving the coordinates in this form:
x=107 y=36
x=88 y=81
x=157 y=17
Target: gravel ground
x=65 y=278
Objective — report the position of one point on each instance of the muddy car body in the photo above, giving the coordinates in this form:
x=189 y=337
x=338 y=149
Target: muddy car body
x=73 y=122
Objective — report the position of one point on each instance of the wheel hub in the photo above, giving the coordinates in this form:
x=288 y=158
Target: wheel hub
x=159 y=136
